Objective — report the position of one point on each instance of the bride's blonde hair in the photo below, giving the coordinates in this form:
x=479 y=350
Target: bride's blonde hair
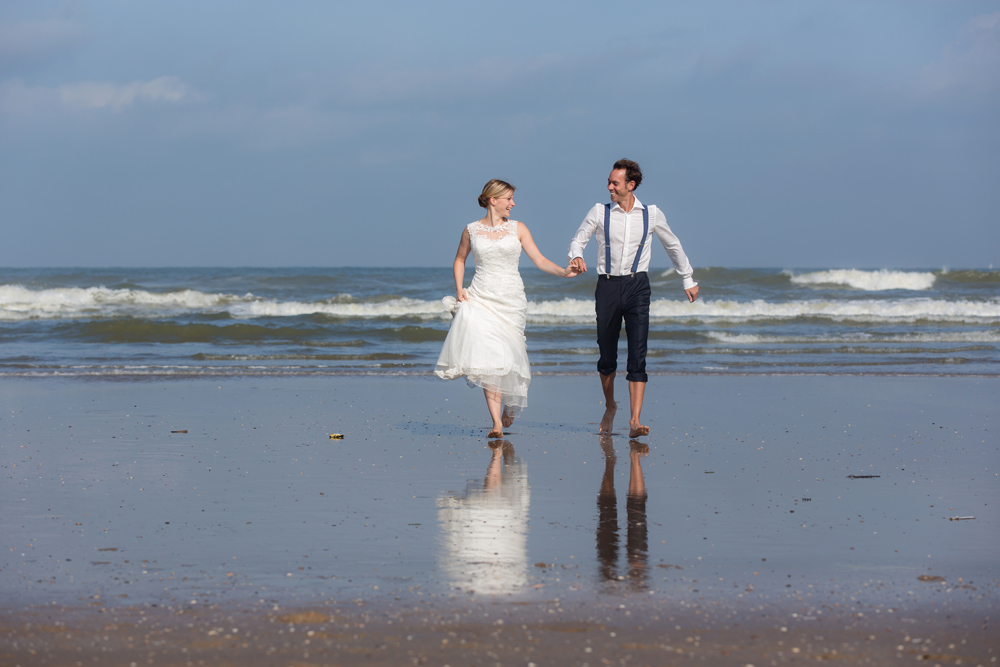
x=494 y=188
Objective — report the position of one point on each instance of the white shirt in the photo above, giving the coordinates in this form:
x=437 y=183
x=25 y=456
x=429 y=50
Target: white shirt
x=626 y=232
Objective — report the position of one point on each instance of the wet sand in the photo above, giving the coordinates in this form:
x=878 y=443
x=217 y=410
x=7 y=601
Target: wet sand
x=461 y=634
x=764 y=520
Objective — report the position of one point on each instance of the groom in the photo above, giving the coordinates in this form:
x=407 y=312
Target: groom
x=623 y=248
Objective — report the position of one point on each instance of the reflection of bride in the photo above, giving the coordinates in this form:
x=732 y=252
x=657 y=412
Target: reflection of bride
x=485 y=528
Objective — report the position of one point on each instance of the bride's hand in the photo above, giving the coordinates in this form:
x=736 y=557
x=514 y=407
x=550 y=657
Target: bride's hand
x=460 y=295
x=570 y=271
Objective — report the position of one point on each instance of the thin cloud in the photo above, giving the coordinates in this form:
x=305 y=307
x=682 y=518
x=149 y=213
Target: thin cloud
x=971 y=63
x=279 y=126
x=37 y=41
x=117 y=97
x=18 y=99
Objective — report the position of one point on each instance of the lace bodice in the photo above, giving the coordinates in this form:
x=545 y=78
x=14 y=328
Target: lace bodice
x=496 y=252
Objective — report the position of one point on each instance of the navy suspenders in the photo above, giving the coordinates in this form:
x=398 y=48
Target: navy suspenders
x=607 y=239
x=642 y=241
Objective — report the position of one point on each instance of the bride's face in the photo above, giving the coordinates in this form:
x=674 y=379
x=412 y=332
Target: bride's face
x=502 y=205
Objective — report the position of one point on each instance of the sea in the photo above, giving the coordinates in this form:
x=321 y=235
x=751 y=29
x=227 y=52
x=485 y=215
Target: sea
x=181 y=322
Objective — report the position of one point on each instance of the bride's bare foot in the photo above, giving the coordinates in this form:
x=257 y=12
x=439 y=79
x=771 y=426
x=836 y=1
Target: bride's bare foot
x=508 y=451
x=636 y=430
x=609 y=417
x=495 y=433
x=507 y=419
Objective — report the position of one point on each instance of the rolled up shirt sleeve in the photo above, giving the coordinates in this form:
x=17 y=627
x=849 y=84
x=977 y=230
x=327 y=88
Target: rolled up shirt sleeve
x=673 y=247
x=586 y=230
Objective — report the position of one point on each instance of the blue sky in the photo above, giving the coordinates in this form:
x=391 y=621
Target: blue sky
x=790 y=134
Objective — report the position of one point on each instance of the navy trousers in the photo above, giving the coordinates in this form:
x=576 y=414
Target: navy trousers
x=623 y=298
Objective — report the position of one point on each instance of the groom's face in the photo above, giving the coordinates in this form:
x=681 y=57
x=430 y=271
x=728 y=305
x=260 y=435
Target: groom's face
x=618 y=187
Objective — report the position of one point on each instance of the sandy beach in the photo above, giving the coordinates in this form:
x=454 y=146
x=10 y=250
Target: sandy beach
x=764 y=520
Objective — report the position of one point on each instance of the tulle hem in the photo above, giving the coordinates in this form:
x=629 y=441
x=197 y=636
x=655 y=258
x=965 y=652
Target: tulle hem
x=512 y=386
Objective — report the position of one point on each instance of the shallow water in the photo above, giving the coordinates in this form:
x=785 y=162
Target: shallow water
x=747 y=494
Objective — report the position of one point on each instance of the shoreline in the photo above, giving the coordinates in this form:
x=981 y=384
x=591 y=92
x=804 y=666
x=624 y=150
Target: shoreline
x=312 y=372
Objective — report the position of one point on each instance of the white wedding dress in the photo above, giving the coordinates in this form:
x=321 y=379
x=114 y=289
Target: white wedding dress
x=486 y=341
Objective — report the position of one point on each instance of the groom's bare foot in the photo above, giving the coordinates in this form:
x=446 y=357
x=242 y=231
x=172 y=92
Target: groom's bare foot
x=609 y=417
x=637 y=430
x=507 y=419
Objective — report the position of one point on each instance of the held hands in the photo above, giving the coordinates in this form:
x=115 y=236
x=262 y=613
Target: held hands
x=578 y=266
x=461 y=296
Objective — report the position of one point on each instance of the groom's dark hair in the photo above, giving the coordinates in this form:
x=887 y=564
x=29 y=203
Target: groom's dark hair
x=632 y=171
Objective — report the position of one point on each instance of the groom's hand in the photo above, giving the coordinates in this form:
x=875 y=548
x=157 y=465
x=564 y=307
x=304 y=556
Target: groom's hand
x=578 y=265
x=692 y=293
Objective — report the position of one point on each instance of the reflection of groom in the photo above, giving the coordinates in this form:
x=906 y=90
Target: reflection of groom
x=623 y=251
x=636 y=543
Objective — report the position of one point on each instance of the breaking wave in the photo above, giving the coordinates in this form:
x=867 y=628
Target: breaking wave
x=20 y=303
x=870 y=281
x=871 y=310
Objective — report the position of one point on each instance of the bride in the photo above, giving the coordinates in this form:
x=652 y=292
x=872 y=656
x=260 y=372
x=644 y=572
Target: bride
x=486 y=341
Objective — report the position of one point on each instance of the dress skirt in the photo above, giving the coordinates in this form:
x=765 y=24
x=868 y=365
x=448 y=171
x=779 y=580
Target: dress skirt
x=485 y=347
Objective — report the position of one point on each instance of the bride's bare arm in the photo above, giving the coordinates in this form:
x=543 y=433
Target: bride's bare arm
x=464 y=248
x=535 y=255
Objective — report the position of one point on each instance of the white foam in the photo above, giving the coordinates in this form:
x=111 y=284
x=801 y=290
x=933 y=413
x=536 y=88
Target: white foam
x=983 y=336
x=871 y=310
x=871 y=281
x=858 y=310
x=556 y=311
x=392 y=308
x=19 y=303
